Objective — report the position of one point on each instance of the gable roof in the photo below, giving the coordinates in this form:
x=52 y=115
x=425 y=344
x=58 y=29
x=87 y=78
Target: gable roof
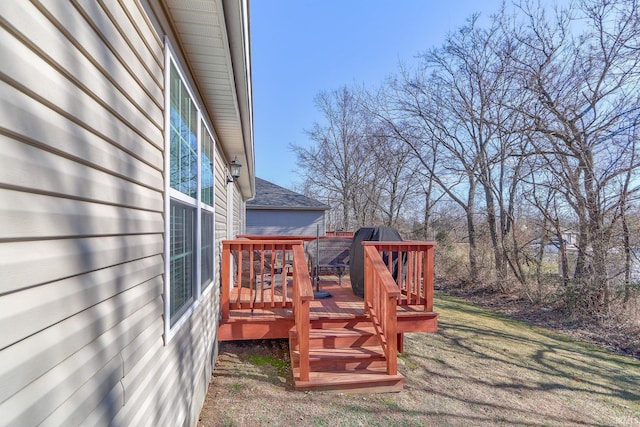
x=272 y=196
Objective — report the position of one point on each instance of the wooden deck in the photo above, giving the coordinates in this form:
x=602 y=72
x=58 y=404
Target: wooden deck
x=247 y=324
x=340 y=343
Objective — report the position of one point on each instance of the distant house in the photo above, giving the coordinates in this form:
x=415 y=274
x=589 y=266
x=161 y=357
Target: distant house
x=118 y=123
x=571 y=237
x=278 y=211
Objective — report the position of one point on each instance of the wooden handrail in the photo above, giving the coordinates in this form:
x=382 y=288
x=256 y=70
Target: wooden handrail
x=302 y=296
x=412 y=267
x=339 y=233
x=380 y=296
x=269 y=237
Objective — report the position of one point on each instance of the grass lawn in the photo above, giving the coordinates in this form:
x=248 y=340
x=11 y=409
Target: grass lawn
x=480 y=369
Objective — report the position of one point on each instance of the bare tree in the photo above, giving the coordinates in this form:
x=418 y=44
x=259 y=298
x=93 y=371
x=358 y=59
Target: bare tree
x=586 y=92
x=397 y=182
x=453 y=109
x=334 y=164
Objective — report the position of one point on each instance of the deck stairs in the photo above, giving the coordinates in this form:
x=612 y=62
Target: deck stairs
x=345 y=355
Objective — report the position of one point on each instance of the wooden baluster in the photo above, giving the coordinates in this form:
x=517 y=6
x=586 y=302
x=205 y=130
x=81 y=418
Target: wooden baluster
x=252 y=279
x=417 y=264
x=402 y=284
x=272 y=251
x=419 y=275
x=410 y=275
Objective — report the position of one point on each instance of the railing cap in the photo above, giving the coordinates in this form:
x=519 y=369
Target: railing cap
x=245 y=242
x=409 y=243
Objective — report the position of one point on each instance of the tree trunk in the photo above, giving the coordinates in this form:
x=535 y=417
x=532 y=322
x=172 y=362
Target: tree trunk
x=471 y=232
x=493 y=231
x=627 y=260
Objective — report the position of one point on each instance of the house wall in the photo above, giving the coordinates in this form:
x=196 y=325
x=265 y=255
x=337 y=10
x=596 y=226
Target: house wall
x=238 y=213
x=282 y=222
x=82 y=335
x=221 y=204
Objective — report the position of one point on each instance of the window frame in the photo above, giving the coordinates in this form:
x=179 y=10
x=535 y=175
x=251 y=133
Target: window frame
x=172 y=324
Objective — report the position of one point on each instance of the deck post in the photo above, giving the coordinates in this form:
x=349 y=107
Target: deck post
x=428 y=273
x=302 y=295
x=303 y=341
x=226 y=285
x=368 y=283
x=391 y=333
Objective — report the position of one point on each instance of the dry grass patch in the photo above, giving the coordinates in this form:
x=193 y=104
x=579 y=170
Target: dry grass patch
x=480 y=369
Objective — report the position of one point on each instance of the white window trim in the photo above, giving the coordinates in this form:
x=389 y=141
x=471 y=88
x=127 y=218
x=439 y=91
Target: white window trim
x=199 y=294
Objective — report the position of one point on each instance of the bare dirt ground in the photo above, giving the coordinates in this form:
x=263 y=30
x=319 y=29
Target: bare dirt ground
x=480 y=369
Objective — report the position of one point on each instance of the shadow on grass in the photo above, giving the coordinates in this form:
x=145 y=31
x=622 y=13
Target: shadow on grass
x=480 y=368
x=486 y=351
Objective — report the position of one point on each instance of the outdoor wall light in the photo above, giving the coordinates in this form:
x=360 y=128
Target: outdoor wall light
x=234 y=169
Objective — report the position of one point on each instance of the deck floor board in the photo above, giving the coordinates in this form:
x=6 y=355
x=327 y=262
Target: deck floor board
x=344 y=305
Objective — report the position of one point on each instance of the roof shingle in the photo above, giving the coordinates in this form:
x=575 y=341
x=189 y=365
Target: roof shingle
x=272 y=196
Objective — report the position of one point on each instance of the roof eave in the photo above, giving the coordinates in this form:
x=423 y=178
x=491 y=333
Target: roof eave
x=215 y=39
x=287 y=208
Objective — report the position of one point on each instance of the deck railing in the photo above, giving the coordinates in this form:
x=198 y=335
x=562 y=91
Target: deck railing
x=339 y=233
x=267 y=274
x=396 y=273
x=303 y=237
x=302 y=296
x=256 y=274
x=380 y=298
x=412 y=266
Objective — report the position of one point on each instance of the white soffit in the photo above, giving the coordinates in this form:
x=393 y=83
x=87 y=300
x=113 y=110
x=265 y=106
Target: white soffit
x=222 y=79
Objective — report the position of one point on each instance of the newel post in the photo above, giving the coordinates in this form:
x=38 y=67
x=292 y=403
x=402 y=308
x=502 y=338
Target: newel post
x=368 y=280
x=391 y=334
x=226 y=276
x=429 y=272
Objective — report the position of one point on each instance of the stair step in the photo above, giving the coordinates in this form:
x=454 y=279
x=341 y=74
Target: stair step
x=338 y=359
x=361 y=381
x=347 y=353
x=338 y=337
x=340 y=323
x=417 y=321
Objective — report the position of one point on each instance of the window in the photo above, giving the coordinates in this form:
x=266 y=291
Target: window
x=190 y=210
x=182 y=257
x=207 y=149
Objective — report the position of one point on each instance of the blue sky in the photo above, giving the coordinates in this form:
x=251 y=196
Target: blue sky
x=302 y=47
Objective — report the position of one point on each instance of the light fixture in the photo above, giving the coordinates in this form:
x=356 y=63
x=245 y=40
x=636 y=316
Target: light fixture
x=234 y=169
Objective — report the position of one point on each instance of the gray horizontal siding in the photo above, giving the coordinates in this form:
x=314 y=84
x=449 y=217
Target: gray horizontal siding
x=60 y=134
x=63 y=299
x=57 y=259
x=163 y=374
x=106 y=410
x=37 y=215
x=220 y=172
x=79 y=405
x=50 y=87
x=81 y=203
x=99 y=39
x=237 y=206
x=70 y=350
x=283 y=222
x=79 y=180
